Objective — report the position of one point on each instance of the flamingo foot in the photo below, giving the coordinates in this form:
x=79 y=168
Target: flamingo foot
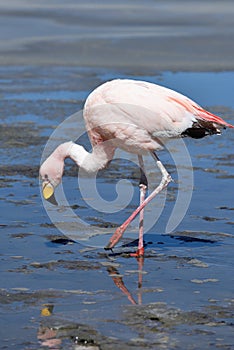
x=139 y=253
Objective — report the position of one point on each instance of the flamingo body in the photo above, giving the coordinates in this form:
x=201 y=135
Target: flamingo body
x=135 y=116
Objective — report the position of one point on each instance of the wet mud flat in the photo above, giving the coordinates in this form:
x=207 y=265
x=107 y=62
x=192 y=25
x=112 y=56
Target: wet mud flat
x=61 y=293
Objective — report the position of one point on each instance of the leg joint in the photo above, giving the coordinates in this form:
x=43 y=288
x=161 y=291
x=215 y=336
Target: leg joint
x=143 y=180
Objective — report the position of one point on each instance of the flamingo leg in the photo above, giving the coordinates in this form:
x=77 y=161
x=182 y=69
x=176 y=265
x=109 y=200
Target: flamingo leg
x=118 y=281
x=166 y=179
x=143 y=188
x=140 y=261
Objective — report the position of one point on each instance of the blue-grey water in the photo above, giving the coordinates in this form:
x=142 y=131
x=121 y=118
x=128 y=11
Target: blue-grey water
x=186 y=297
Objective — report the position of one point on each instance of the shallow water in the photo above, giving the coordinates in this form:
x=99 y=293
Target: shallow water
x=56 y=293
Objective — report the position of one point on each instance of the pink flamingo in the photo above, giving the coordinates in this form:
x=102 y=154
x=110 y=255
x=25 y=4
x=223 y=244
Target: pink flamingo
x=138 y=117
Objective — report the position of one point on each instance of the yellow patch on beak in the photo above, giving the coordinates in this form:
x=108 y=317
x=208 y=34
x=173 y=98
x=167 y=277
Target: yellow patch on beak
x=47 y=310
x=47 y=190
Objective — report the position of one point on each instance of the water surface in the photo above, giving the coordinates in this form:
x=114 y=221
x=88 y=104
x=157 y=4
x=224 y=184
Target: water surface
x=186 y=297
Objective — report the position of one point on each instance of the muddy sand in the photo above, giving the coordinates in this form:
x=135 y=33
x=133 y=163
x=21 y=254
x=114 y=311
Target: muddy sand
x=162 y=35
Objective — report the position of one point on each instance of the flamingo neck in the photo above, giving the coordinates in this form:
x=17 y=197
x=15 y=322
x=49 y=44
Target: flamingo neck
x=91 y=162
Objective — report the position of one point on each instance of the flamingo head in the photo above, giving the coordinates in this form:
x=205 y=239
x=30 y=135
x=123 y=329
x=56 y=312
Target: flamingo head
x=51 y=172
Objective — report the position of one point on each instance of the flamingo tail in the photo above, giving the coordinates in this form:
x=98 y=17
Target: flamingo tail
x=209 y=117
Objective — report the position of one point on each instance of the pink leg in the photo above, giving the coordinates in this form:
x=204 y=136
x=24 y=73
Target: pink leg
x=118 y=281
x=140 y=260
x=166 y=179
x=143 y=187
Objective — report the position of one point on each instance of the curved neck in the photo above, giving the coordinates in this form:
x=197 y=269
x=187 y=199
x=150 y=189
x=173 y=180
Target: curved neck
x=94 y=161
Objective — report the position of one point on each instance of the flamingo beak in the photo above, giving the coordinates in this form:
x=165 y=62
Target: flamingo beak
x=48 y=192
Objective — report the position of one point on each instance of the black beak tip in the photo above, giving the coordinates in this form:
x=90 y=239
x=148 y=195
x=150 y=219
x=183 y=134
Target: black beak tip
x=52 y=200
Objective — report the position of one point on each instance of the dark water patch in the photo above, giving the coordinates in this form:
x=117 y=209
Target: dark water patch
x=226 y=157
x=210 y=237
x=56 y=239
x=97 y=221
x=46 y=114
x=21 y=202
x=6 y=183
x=225 y=176
x=20 y=235
x=28 y=171
x=20 y=135
x=48 y=225
x=76 y=206
x=13 y=226
x=230 y=223
x=208 y=218
x=8 y=297
x=63 y=241
x=225 y=208
x=20 y=270
x=188 y=239
x=65 y=264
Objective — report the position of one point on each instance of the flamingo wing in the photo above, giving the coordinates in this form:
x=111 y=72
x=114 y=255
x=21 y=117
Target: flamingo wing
x=139 y=113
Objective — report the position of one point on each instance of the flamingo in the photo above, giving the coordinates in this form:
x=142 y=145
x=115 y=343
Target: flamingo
x=138 y=117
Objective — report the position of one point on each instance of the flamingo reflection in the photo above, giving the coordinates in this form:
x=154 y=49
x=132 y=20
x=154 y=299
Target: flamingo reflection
x=118 y=281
